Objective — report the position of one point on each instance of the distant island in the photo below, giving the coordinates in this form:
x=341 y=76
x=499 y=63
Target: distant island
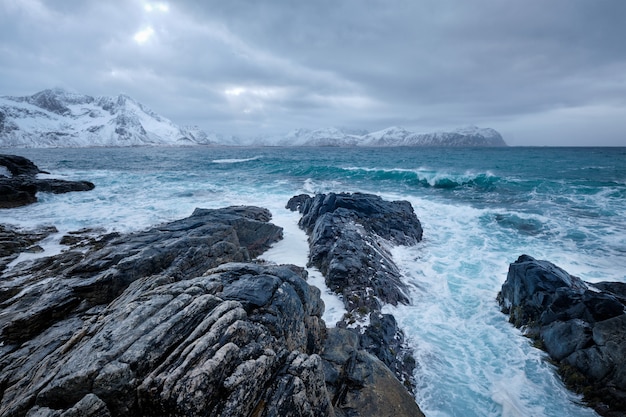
x=55 y=118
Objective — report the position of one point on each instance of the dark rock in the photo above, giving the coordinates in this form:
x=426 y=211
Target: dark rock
x=582 y=326
x=21 y=187
x=14 y=241
x=169 y=322
x=349 y=238
x=14 y=193
x=394 y=221
x=18 y=165
x=57 y=186
x=359 y=383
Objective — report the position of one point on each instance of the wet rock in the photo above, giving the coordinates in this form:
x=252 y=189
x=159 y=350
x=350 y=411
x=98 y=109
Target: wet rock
x=359 y=383
x=18 y=165
x=179 y=320
x=582 y=327
x=349 y=238
x=14 y=241
x=20 y=186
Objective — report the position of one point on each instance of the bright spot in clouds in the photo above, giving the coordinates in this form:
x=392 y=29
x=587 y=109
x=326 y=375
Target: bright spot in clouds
x=159 y=7
x=143 y=35
x=235 y=91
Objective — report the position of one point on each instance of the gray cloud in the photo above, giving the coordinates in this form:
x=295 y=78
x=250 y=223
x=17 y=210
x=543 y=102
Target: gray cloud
x=540 y=72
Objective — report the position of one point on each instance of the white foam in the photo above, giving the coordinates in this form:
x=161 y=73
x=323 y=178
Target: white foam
x=234 y=160
x=50 y=246
x=470 y=360
x=4 y=172
x=294 y=249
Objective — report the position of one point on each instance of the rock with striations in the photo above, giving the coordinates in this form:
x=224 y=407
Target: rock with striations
x=179 y=320
x=14 y=241
x=349 y=238
x=582 y=326
x=19 y=183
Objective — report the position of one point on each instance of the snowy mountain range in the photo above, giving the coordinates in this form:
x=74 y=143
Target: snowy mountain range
x=57 y=118
x=392 y=136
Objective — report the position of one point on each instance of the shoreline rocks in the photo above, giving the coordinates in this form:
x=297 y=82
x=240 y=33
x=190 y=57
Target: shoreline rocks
x=582 y=327
x=181 y=320
x=349 y=236
x=19 y=183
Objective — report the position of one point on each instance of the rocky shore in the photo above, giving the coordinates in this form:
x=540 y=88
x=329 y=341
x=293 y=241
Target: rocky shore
x=181 y=320
x=582 y=327
x=19 y=183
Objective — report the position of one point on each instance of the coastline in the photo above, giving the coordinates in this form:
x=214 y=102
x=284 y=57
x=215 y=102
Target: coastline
x=434 y=275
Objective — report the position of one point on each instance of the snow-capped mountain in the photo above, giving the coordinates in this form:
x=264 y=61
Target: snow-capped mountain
x=466 y=136
x=306 y=137
x=57 y=118
x=392 y=136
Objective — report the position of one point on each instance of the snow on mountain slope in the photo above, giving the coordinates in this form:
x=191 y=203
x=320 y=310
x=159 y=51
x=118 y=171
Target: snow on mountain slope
x=56 y=118
x=467 y=136
x=391 y=136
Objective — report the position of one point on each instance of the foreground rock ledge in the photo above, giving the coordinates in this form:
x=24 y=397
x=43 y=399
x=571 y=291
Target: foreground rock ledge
x=582 y=326
x=179 y=320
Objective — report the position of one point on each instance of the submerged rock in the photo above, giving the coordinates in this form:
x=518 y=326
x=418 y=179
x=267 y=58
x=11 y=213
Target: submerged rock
x=19 y=183
x=582 y=327
x=349 y=236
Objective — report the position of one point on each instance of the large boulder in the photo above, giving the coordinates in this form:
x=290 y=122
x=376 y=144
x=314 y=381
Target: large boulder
x=582 y=326
x=349 y=240
x=19 y=183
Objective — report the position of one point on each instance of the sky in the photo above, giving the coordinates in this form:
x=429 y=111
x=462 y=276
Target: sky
x=540 y=72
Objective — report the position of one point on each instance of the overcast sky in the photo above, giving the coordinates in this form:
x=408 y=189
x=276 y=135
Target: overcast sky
x=542 y=72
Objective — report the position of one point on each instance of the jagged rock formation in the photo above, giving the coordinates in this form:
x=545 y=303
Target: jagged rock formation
x=19 y=183
x=582 y=326
x=178 y=320
x=348 y=238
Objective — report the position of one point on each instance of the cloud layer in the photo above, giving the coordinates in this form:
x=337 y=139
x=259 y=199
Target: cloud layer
x=543 y=73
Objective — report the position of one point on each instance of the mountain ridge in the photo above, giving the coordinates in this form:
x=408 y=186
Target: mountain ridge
x=55 y=118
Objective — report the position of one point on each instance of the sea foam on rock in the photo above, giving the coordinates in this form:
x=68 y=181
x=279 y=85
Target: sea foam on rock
x=582 y=326
x=180 y=320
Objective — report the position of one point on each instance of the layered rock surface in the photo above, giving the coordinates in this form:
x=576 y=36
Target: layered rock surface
x=179 y=320
x=349 y=236
x=582 y=326
x=19 y=183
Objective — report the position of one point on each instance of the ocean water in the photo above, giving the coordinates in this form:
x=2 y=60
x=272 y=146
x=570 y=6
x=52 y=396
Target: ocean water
x=480 y=209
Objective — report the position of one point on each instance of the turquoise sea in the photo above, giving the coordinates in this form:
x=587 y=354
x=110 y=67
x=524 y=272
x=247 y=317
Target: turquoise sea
x=480 y=209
